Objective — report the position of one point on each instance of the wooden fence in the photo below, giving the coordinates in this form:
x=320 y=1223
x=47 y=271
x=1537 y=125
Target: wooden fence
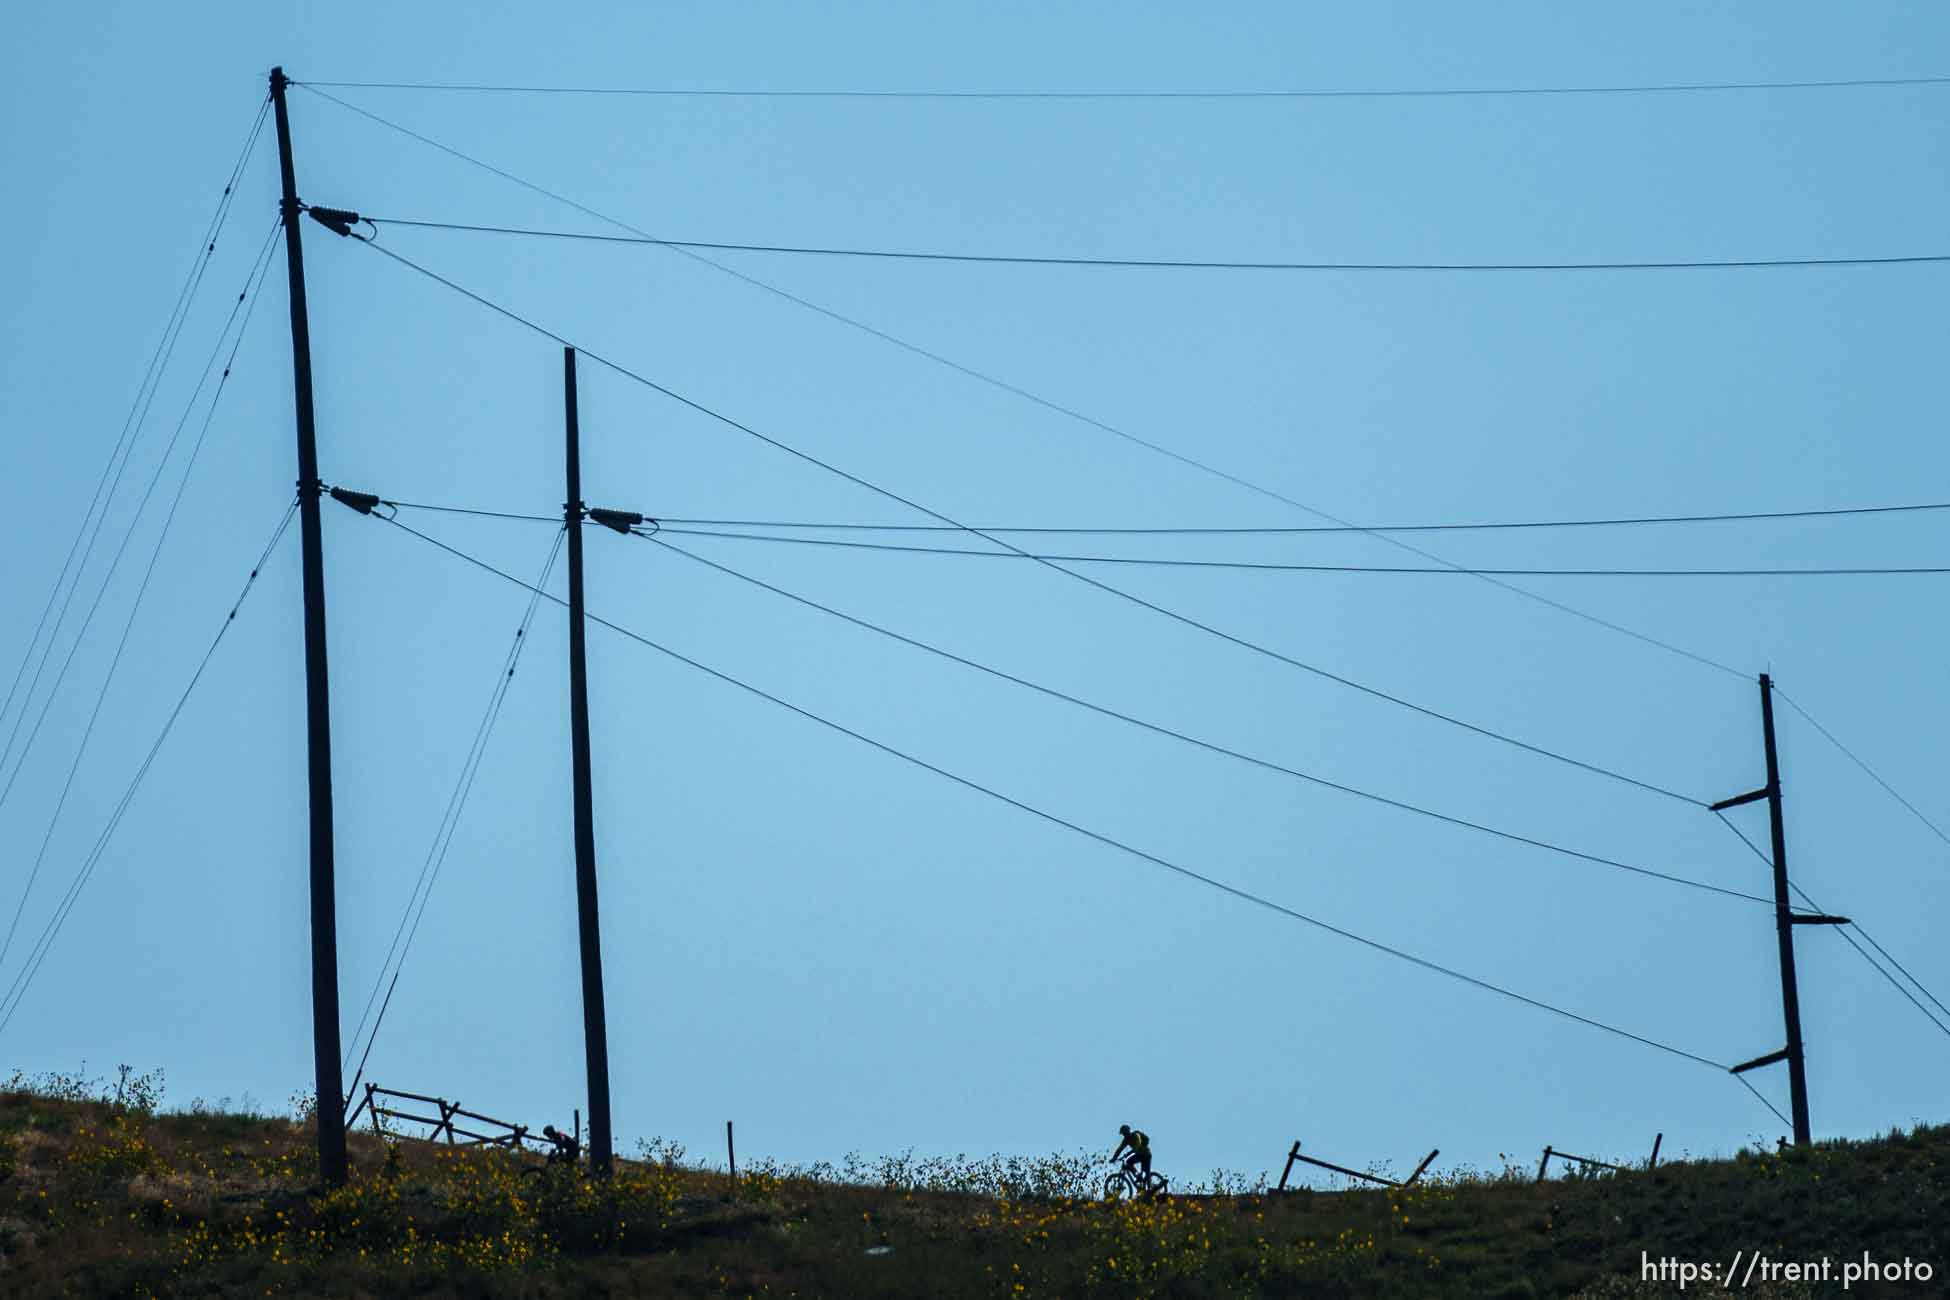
x=1294 y=1156
x=1551 y=1153
x=381 y=1103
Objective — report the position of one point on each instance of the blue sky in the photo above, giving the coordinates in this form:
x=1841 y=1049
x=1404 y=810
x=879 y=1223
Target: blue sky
x=836 y=949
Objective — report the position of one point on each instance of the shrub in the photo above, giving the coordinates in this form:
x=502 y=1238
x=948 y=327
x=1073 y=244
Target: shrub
x=116 y=1152
x=140 y=1093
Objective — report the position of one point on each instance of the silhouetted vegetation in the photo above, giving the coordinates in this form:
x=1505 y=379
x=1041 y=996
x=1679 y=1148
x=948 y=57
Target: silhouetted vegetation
x=103 y=1192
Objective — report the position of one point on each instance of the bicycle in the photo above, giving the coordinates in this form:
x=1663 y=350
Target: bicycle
x=561 y=1157
x=1124 y=1181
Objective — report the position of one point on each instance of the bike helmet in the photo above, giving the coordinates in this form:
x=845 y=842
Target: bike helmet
x=1125 y=1129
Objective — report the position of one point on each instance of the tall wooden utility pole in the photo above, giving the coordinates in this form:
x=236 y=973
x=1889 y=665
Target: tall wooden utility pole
x=1784 y=922
x=595 y=1034
x=330 y=1108
x=1785 y=919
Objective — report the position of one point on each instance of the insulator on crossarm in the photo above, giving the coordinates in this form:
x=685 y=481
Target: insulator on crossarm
x=621 y=521
x=364 y=502
x=337 y=220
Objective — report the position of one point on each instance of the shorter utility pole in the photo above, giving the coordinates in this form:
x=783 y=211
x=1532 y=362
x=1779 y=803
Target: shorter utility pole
x=595 y=1034
x=1785 y=919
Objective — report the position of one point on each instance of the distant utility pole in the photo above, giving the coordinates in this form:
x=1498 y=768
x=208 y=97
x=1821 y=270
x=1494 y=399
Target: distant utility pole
x=595 y=1034
x=1785 y=919
x=330 y=1110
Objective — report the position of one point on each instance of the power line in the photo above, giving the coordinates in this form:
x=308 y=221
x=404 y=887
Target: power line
x=1099 y=837
x=688 y=527
x=1872 y=774
x=1914 y=811
x=206 y=249
x=1844 y=929
x=132 y=424
x=514 y=659
x=1016 y=390
x=1235 y=530
x=134 y=519
x=447 y=818
x=1224 y=530
x=1447 y=571
x=246 y=302
x=1430 y=92
x=1748 y=1085
x=1850 y=940
x=1890 y=958
x=1185 y=619
x=17 y=991
x=465 y=510
x=1171 y=264
x=443 y=836
x=1189 y=739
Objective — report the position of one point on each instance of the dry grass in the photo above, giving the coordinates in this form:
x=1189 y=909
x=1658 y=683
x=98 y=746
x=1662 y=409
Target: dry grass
x=100 y=1198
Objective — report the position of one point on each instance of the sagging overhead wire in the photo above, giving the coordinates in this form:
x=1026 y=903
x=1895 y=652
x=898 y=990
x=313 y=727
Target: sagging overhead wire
x=1843 y=930
x=1097 y=836
x=124 y=447
x=1025 y=394
x=1187 y=738
x=1371 y=92
x=1170 y=264
x=1224 y=530
x=1277 y=530
x=1284 y=567
x=1856 y=926
x=1870 y=772
x=1891 y=959
x=443 y=837
x=1118 y=592
x=1746 y=1083
x=24 y=978
x=466 y=510
x=662 y=524
x=240 y=316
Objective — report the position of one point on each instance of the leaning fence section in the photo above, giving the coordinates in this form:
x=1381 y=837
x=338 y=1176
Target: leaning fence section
x=1294 y=1157
x=384 y=1104
x=1552 y=1153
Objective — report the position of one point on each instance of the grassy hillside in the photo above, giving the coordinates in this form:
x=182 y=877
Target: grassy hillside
x=101 y=1197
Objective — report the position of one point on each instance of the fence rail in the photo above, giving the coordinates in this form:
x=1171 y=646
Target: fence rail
x=1293 y=1156
x=378 y=1102
x=1550 y=1153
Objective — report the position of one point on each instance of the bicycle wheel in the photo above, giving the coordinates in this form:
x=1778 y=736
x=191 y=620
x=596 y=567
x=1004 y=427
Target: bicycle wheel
x=1156 y=1185
x=1117 y=1185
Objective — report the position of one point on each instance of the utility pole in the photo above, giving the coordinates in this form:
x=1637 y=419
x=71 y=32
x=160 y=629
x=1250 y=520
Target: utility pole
x=595 y=1034
x=1785 y=919
x=1784 y=922
x=330 y=1108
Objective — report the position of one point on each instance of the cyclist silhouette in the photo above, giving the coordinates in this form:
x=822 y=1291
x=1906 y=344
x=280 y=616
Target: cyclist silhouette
x=1139 y=1161
x=567 y=1149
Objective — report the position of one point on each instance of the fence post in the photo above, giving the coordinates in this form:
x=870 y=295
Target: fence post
x=1291 y=1156
x=1542 y=1164
x=1424 y=1165
x=1653 y=1163
x=731 y=1157
x=373 y=1106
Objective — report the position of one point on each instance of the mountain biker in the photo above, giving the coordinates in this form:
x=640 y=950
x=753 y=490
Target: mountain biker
x=567 y=1149
x=1138 y=1162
